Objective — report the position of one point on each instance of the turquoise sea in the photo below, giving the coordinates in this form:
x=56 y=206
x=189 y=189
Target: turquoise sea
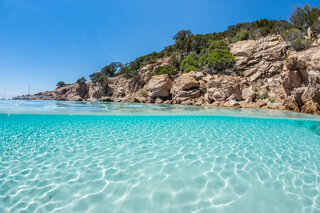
x=104 y=157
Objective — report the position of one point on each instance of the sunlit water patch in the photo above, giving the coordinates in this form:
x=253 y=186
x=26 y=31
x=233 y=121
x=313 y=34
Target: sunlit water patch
x=85 y=163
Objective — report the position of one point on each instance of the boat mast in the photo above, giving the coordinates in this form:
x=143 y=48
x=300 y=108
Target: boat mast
x=29 y=90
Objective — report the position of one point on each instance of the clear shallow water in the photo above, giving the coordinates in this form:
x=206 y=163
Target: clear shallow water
x=64 y=163
x=107 y=108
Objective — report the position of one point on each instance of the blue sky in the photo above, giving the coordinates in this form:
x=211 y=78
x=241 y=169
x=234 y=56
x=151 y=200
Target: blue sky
x=45 y=41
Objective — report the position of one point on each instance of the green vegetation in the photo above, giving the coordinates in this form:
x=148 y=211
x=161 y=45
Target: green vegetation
x=305 y=17
x=296 y=39
x=81 y=81
x=243 y=35
x=219 y=44
x=183 y=41
x=170 y=70
x=301 y=44
x=218 y=57
x=131 y=70
x=190 y=63
x=264 y=95
x=60 y=84
x=99 y=77
x=303 y=20
x=210 y=53
x=256 y=29
x=143 y=92
x=292 y=35
x=218 y=60
x=272 y=101
x=110 y=70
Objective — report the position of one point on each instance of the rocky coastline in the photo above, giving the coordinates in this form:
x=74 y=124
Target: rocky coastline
x=270 y=75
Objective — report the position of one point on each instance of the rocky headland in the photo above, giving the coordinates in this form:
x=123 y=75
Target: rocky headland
x=272 y=76
x=265 y=64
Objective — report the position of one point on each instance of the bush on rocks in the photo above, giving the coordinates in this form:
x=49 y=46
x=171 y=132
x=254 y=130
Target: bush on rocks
x=170 y=70
x=190 y=63
x=296 y=39
x=243 y=35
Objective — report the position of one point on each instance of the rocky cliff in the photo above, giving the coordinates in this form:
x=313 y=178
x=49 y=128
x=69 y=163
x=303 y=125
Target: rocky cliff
x=267 y=74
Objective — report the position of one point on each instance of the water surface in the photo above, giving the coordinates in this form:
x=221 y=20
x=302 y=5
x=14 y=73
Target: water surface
x=196 y=160
x=108 y=108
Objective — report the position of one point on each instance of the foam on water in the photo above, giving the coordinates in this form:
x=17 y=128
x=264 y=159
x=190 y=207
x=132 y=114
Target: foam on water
x=85 y=163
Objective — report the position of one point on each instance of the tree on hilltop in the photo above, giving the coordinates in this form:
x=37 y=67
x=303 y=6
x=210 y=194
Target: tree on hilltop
x=60 y=84
x=305 y=17
x=81 y=81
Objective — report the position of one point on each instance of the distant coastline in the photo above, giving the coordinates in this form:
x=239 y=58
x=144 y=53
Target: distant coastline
x=267 y=64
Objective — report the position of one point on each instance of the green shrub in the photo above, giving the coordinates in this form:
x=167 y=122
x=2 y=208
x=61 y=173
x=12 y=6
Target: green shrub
x=264 y=95
x=81 y=81
x=256 y=29
x=183 y=41
x=152 y=61
x=255 y=34
x=130 y=72
x=301 y=44
x=61 y=84
x=111 y=69
x=292 y=35
x=143 y=92
x=217 y=56
x=272 y=101
x=99 y=77
x=219 y=60
x=200 y=42
x=305 y=17
x=219 y=44
x=175 y=59
x=243 y=35
x=296 y=39
x=316 y=27
x=190 y=63
x=167 y=51
x=170 y=70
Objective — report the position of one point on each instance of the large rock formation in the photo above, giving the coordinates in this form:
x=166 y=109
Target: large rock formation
x=222 y=88
x=301 y=80
x=268 y=74
x=159 y=86
x=184 y=88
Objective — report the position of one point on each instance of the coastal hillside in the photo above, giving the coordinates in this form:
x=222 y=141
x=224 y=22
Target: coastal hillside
x=264 y=64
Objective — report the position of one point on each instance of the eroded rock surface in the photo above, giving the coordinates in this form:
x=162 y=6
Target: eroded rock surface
x=159 y=86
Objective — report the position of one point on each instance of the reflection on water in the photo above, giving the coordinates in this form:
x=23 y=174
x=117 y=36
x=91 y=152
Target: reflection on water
x=108 y=108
